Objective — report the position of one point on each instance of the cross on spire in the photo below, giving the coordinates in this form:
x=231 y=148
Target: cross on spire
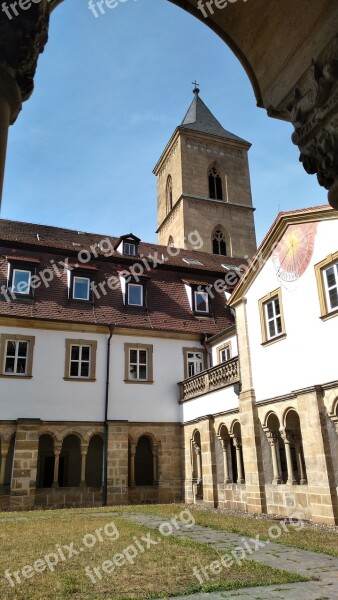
x=196 y=88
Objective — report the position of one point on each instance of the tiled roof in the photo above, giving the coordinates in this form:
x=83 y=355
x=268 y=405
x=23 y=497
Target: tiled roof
x=168 y=306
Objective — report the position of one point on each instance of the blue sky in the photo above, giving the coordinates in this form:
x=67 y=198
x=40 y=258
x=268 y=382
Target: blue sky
x=109 y=93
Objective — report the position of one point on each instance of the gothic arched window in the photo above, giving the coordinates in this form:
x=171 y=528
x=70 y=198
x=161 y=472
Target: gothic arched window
x=171 y=242
x=215 y=184
x=169 y=193
x=218 y=242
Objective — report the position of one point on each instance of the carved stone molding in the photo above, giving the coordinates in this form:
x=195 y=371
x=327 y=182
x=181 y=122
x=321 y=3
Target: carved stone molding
x=209 y=148
x=22 y=39
x=313 y=110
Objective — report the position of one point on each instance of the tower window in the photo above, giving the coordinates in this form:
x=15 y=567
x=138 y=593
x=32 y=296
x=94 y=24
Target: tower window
x=215 y=184
x=218 y=243
x=169 y=194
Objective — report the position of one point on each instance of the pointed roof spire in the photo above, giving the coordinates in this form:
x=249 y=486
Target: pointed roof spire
x=200 y=118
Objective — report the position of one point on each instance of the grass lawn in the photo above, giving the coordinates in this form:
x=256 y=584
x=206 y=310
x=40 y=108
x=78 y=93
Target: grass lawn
x=307 y=538
x=161 y=570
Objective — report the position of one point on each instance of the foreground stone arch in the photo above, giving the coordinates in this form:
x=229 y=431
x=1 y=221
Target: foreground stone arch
x=288 y=49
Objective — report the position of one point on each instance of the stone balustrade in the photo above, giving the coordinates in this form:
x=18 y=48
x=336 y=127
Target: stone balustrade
x=210 y=380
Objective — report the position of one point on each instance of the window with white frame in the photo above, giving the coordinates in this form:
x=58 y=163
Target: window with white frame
x=138 y=363
x=129 y=249
x=331 y=286
x=201 y=302
x=21 y=282
x=81 y=288
x=80 y=360
x=16 y=355
x=273 y=318
x=224 y=353
x=195 y=363
x=135 y=293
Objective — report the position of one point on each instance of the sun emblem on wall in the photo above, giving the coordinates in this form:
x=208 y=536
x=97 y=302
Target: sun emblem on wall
x=294 y=251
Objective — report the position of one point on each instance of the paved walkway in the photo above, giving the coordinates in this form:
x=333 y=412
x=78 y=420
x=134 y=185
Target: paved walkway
x=277 y=556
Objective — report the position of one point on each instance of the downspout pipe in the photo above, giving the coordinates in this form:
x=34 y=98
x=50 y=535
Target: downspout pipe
x=105 y=439
x=207 y=349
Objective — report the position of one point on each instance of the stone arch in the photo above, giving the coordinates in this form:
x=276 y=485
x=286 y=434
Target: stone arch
x=223 y=455
x=70 y=461
x=220 y=241
x=277 y=464
x=197 y=464
x=145 y=470
x=94 y=461
x=215 y=182
x=293 y=440
x=237 y=462
x=46 y=461
x=75 y=432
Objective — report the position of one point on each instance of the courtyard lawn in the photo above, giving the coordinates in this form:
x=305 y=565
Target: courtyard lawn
x=163 y=569
x=307 y=538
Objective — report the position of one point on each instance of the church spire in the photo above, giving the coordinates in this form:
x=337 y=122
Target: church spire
x=200 y=118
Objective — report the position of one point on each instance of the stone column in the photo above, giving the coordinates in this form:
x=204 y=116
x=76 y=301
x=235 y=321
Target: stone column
x=57 y=452
x=273 y=441
x=238 y=446
x=118 y=462
x=287 y=442
x=199 y=462
x=301 y=470
x=23 y=486
x=10 y=106
x=4 y=452
x=155 y=464
x=84 y=450
x=225 y=448
x=132 y=464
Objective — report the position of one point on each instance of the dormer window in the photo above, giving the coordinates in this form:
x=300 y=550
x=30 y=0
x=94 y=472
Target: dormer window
x=80 y=283
x=20 y=275
x=128 y=245
x=129 y=249
x=135 y=294
x=201 y=302
x=21 y=282
x=81 y=288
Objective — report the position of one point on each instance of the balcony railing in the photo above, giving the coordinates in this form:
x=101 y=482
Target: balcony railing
x=210 y=380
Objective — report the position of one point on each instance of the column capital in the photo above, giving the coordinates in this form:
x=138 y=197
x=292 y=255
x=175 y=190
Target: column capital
x=312 y=109
x=272 y=437
x=23 y=37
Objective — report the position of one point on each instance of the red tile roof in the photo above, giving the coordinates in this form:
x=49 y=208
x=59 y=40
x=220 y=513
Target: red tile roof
x=168 y=306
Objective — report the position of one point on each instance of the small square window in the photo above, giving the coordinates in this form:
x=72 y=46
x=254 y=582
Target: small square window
x=201 y=302
x=81 y=288
x=129 y=249
x=224 y=353
x=135 y=294
x=16 y=354
x=21 y=282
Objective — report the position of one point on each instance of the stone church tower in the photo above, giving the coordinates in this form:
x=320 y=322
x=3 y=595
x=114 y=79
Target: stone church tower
x=203 y=184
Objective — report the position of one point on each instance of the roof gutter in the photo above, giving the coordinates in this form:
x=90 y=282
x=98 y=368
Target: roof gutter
x=105 y=439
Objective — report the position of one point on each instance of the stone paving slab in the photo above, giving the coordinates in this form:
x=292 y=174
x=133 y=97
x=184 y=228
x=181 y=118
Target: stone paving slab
x=278 y=556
